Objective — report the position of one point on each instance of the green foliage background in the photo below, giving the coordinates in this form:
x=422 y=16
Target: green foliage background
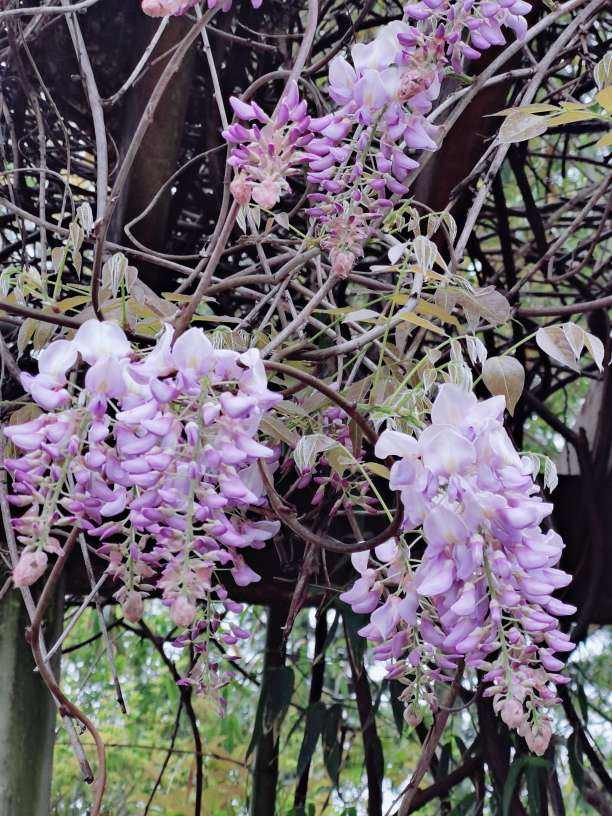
x=137 y=743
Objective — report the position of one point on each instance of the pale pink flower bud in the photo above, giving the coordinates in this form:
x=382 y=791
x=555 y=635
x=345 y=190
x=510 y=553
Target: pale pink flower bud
x=155 y=8
x=30 y=567
x=182 y=611
x=341 y=263
x=412 y=717
x=512 y=713
x=267 y=193
x=241 y=189
x=537 y=740
x=133 y=607
x=166 y=8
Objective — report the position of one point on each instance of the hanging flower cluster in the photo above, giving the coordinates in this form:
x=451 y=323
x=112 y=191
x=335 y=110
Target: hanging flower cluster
x=360 y=158
x=173 y=8
x=393 y=81
x=338 y=488
x=357 y=156
x=472 y=26
x=268 y=153
x=156 y=455
x=485 y=580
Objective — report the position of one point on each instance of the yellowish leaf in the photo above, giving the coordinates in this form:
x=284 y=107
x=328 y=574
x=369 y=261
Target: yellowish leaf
x=135 y=309
x=178 y=297
x=277 y=429
x=603 y=71
x=378 y=470
x=24 y=414
x=411 y=317
x=537 y=107
x=604 y=97
x=216 y=319
x=42 y=334
x=339 y=312
x=504 y=376
x=25 y=333
x=424 y=307
x=572 y=106
x=519 y=127
x=72 y=302
x=571 y=116
x=361 y=316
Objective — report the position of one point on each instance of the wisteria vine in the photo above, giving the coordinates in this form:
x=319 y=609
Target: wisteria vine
x=155 y=456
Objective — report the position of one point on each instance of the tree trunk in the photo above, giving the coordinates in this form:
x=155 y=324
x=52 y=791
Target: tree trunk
x=27 y=715
x=265 y=769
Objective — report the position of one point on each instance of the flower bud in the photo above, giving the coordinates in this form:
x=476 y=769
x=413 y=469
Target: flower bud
x=412 y=717
x=154 y=8
x=30 y=567
x=241 y=189
x=182 y=610
x=538 y=739
x=133 y=607
x=267 y=193
x=341 y=263
x=512 y=713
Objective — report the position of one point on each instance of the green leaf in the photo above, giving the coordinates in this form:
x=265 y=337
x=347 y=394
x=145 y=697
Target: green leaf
x=315 y=721
x=534 y=779
x=582 y=702
x=465 y=806
x=463 y=749
x=331 y=633
x=274 y=699
x=445 y=758
x=397 y=707
x=279 y=684
x=519 y=764
x=353 y=622
x=257 y=725
x=332 y=747
x=574 y=756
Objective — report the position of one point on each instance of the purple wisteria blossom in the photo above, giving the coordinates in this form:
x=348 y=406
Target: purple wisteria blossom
x=156 y=456
x=482 y=590
x=361 y=155
x=268 y=152
x=173 y=8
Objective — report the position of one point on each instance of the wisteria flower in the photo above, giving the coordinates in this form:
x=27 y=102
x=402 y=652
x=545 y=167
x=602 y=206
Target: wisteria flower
x=484 y=582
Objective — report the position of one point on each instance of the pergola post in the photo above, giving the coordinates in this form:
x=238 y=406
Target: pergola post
x=27 y=714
